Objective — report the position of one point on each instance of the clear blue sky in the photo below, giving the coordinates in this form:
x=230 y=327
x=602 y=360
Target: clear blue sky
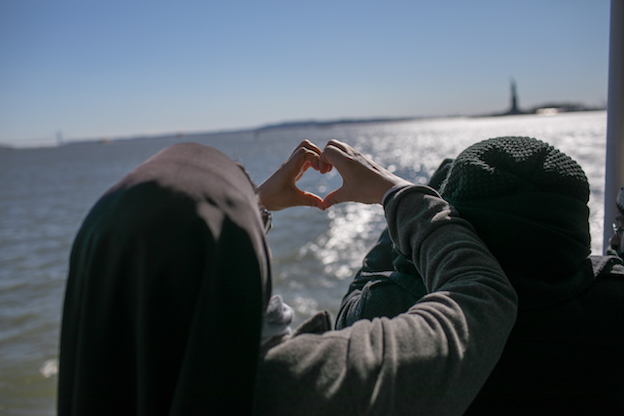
x=110 y=68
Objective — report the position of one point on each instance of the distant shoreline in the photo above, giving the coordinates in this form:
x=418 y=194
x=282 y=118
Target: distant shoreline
x=550 y=109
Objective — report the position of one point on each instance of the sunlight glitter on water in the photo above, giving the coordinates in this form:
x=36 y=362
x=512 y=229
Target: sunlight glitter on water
x=352 y=228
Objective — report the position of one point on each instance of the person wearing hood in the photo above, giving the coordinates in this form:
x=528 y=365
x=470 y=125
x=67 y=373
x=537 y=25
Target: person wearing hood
x=168 y=307
x=528 y=202
x=616 y=242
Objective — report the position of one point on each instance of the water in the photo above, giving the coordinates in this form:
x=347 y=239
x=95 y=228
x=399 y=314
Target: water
x=45 y=194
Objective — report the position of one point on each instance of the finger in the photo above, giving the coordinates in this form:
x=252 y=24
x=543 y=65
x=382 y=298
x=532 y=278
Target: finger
x=304 y=198
x=336 y=143
x=316 y=151
x=313 y=159
x=302 y=156
x=310 y=199
x=334 y=197
x=332 y=156
x=310 y=146
x=324 y=167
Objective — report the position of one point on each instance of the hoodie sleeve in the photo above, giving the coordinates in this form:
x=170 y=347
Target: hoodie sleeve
x=431 y=360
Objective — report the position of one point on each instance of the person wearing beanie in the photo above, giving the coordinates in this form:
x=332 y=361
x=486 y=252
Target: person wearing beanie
x=528 y=203
x=616 y=242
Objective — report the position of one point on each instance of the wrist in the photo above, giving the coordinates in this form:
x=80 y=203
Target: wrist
x=265 y=215
x=392 y=183
x=264 y=199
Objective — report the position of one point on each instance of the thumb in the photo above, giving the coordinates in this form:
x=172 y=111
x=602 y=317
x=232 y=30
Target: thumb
x=334 y=197
x=309 y=199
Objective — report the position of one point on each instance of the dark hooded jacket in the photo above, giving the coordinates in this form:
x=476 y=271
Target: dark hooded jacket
x=169 y=278
x=528 y=202
x=148 y=304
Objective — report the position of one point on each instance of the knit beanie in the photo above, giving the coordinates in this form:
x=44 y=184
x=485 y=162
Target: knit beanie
x=527 y=202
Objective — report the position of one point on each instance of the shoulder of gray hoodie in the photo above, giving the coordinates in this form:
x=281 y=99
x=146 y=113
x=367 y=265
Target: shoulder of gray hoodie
x=431 y=360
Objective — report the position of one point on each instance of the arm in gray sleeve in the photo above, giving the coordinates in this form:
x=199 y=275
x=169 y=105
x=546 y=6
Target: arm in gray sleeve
x=432 y=359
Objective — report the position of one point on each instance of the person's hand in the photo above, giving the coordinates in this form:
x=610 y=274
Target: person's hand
x=362 y=179
x=279 y=191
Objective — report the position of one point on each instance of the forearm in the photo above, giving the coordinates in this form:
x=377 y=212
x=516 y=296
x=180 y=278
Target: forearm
x=471 y=306
x=442 y=246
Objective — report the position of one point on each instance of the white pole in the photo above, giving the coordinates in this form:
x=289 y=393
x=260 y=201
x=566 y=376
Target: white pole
x=614 y=174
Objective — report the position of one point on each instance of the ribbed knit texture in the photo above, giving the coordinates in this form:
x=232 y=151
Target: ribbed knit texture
x=508 y=165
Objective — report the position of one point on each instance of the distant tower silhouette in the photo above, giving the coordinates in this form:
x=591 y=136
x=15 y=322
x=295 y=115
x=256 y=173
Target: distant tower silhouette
x=514 y=100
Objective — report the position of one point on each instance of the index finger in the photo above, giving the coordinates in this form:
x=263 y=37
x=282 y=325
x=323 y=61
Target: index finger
x=333 y=155
x=312 y=153
x=336 y=143
x=337 y=149
x=307 y=144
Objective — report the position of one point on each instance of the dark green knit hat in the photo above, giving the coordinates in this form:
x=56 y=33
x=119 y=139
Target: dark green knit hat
x=508 y=165
x=527 y=201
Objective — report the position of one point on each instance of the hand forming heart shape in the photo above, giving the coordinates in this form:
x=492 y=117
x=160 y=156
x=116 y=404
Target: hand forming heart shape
x=363 y=180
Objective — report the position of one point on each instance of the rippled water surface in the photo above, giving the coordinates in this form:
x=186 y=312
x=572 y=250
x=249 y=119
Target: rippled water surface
x=45 y=194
